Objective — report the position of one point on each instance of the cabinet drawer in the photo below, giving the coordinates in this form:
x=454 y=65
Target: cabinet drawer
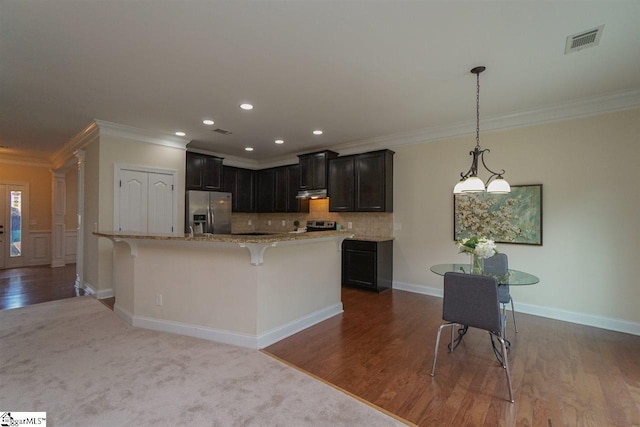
x=359 y=245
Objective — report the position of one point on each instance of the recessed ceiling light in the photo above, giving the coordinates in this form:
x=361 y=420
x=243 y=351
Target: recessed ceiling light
x=248 y=148
x=317 y=132
x=279 y=141
x=208 y=122
x=181 y=134
x=246 y=106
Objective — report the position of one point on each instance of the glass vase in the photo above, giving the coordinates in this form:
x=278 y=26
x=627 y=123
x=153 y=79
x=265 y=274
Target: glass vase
x=477 y=264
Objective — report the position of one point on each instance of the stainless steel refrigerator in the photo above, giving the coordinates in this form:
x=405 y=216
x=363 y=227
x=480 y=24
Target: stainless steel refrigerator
x=208 y=212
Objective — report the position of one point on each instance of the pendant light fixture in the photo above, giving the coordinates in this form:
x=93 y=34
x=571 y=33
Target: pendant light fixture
x=469 y=182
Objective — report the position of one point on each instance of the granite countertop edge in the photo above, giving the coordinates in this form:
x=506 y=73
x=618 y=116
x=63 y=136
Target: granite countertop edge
x=226 y=238
x=372 y=238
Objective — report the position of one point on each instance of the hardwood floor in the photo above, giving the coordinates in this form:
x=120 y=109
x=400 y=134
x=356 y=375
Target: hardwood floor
x=24 y=286
x=381 y=349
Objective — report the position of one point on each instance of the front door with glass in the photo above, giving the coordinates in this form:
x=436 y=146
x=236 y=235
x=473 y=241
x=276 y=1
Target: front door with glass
x=12 y=225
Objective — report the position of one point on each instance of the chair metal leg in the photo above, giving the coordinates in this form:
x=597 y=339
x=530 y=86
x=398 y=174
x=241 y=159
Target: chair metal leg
x=451 y=345
x=506 y=367
x=435 y=353
x=504 y=327
x=513 y=313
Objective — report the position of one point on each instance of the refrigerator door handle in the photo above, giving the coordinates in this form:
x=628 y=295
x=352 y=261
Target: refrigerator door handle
x=209 y=219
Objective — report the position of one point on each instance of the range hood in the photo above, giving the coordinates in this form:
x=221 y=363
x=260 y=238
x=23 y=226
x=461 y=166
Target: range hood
x=312 y=194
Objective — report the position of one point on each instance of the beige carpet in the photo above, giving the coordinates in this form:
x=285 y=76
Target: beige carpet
x=84 y=366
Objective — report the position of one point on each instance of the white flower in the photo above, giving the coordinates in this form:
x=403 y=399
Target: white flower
x=485 y=248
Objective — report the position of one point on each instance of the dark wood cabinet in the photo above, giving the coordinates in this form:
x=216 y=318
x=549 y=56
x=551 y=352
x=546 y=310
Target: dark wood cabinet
x=241 y=183
x=203 y=172
x=287 y=179
x=341 y=184
x=314 y=168
x=374 y=181
x=361 y=182
x=278 y=188
x=266 y=190
x=367 y=264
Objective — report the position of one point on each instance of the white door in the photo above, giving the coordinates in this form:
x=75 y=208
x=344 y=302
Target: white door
x=134 y=190
x=146 y=202
x=160 y=203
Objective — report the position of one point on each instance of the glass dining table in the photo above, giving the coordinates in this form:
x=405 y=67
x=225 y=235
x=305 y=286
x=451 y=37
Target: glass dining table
x=512 y=278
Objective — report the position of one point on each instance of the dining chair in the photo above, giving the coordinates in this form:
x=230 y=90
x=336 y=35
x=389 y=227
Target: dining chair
x=499 y=265
x=472 y=300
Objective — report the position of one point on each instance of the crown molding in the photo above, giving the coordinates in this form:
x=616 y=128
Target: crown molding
x=572 y=110
x=25 y=160
x=229 y=160
x=66 y=154
x=141 y=135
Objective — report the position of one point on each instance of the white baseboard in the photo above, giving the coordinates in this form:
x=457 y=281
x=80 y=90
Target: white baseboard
x=276 y=334
x=425 y=290
x=102 y=294
x=228 y=337
x=123 y=314
x=603 y=322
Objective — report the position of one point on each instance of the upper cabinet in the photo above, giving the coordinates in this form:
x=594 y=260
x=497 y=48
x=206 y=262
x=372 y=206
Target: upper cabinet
x=242 y=185
x=314 y=168
x=203 y=172
x=266 y=190
x=342 y=180
x=362 y=182
x=278 y=188
x=287 y=181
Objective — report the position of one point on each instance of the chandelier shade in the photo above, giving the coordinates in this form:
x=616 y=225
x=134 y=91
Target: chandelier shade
x=470 y=182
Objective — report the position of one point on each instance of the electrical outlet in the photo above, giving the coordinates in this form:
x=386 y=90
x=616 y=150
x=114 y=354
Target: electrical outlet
x=158 y=299
x=349 y=225
x=249 y=222
x=269 y=222
x=284 y=223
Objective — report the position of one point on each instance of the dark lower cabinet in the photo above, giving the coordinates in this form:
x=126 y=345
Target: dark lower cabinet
x=367 y=265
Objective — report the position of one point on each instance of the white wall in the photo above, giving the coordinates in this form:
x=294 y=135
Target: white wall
x=101 y=157
x=589 y=259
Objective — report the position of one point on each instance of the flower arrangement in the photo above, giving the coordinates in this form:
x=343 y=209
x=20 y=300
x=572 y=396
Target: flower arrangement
x=478 y=246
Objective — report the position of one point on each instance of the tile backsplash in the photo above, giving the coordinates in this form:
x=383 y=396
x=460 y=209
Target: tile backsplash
x=364 y=224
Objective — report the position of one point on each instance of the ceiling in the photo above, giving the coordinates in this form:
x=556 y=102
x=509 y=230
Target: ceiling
x=358 y=70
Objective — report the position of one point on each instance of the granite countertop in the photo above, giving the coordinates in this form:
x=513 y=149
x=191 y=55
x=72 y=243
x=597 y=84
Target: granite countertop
x=227 y=238
x=372 y=238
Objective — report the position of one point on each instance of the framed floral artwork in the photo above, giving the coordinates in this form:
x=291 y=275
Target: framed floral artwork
x=504 y=218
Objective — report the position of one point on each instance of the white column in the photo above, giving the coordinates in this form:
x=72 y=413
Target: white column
x=58 y=195
x=80 y=242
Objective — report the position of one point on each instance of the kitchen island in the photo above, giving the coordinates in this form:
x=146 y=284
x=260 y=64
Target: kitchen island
x=250 y=291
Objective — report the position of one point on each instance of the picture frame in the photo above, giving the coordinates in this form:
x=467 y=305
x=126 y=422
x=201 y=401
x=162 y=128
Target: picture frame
x=504 y=218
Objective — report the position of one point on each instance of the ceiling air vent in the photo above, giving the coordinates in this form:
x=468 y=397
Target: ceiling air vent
x=583 y=39
x=222 y=131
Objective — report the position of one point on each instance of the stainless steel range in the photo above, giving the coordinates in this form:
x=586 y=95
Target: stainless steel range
x=321 y=225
